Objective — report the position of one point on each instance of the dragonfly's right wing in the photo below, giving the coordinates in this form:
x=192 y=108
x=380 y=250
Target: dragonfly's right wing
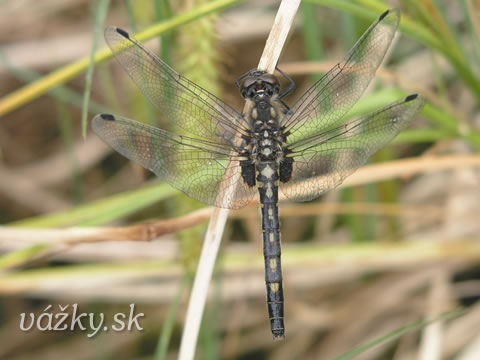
x=182 y=102
x=330 y=98
x=204 y=170
x=321 y=163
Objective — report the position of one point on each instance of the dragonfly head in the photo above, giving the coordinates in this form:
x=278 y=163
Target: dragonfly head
x=259 y=85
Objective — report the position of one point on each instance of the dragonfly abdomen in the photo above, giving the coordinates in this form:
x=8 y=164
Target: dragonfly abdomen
x=267 y=182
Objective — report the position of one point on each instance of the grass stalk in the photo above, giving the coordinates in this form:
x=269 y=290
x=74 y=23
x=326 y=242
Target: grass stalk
x=395 y=334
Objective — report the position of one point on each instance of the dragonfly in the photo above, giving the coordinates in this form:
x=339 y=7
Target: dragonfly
x=223 y=157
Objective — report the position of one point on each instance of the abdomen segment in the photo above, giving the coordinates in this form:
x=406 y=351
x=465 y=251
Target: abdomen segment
x=267 y=182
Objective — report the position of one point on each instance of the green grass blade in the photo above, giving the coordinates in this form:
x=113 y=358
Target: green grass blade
x=395 y=334
x=415 y=136
x=131 y=15
x=103 y=211
x=143 y=106
x=163 y=12
x=63 y=93
x=13 y=258
x=100 y=13
x=312 y=39
x=32 y=91
x=450 y=32
x=472 y=27
x=371 y=9
x=65 y=123
x=168 y=324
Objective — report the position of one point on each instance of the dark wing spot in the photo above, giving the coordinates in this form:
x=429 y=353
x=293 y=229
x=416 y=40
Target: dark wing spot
x=123 y=33
x=383 y=15
x=411 y=97
x=108 y=117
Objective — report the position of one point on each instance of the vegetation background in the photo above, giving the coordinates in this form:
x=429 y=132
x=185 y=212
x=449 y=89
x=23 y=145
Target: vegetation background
x=393 y=249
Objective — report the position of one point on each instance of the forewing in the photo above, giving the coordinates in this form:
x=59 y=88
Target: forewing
x=330 y=98
x=185 y=104
x=203 y=170
x=322 y=162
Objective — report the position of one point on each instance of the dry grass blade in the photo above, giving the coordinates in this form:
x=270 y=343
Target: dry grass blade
x=409 y=167
x=77 y=235
x=278 y=34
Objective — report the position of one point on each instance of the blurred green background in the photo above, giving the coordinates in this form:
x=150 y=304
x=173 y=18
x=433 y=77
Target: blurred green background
x=376 y=259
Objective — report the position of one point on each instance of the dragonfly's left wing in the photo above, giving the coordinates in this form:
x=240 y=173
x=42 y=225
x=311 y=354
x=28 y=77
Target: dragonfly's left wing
x=206 y=171
x=321 y=163
x=180 y=101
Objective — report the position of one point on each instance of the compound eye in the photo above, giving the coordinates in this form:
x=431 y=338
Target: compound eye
x=276 y=89
x=244 y=93
x=269 y=79
x=251 y=93
x=249 y=81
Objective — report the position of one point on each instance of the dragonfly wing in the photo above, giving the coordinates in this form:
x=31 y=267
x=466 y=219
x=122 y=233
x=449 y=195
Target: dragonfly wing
x=185 y=104
x=206 y=171
x=322 y=162
x=330 y=98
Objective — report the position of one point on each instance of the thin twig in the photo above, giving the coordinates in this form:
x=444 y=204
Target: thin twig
x=273 y=47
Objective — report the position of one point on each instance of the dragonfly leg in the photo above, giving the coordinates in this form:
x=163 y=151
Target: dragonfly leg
x=287 y=108
x=238 y=148
x=290 y=88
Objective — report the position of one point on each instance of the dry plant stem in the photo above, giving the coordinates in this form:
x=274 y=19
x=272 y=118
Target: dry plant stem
x=151 y=230
x=268 y=61
x=76 y=235
x=409 y=167
x=19 y=237
x=437 y=302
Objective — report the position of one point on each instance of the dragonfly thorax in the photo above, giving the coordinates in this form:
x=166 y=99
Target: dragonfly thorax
x=265 y=123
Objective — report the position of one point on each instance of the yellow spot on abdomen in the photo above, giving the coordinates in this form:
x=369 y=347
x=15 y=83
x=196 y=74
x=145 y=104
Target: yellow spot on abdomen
x=274 y=287
x=270 y=214
x=273 y=265
x=271 y=238
x=269 y=191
